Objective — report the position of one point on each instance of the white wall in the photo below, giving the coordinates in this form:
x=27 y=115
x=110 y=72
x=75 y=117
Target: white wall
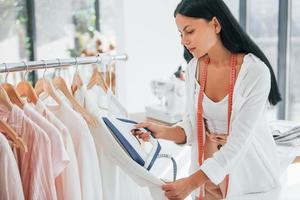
x=147 y=32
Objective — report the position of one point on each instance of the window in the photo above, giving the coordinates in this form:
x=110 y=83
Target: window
x=13 y=38
x=233 y=5
x=63 y=28
x=262 y=26
x=55 y=30
x=294 y=84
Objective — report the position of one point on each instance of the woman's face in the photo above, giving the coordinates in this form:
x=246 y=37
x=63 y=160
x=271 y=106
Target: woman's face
x=197 y=35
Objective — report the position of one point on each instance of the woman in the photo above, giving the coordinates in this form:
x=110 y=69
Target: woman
x=228 y=77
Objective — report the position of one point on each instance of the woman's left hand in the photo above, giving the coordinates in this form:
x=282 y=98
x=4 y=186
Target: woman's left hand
x=179 y=189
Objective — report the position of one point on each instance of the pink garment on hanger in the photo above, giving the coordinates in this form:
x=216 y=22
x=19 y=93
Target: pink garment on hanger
x=68 y=182
x=60 y=158
x=35 y=165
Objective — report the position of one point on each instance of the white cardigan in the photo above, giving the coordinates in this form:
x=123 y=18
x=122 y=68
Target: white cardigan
x=249 y=156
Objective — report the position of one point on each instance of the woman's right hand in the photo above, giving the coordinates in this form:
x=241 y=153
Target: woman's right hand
x=156 y=130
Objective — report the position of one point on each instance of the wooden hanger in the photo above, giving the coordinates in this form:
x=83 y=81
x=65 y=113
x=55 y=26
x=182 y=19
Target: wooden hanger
x=77 y=81
x=4 y=99
x=4 y=127
x=45 y=85
x=12 y=93
x=110 y=77
x=25 y=89
x=12 y=135
x=97 y=79
x=60 y=84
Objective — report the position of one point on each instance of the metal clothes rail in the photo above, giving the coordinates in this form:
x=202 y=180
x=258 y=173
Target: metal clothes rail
x=60 y=63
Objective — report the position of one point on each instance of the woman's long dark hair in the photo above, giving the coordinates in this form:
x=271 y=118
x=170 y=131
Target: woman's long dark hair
x=233 y=37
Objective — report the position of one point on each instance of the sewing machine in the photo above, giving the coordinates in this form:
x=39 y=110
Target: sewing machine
x=171 y=94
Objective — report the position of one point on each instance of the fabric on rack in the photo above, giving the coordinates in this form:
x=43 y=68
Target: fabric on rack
x=100 y=97
x=10 y=181
x=139 y=174
x=110 y=171
x=60 y=158
x=121 y=181
x=90 y=177
x=115 y=108
x=35 y=165
x=68 y=183
x=107 y=101
x=117 y=155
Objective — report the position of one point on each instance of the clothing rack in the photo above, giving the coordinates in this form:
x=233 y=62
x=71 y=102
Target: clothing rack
x=60 y=63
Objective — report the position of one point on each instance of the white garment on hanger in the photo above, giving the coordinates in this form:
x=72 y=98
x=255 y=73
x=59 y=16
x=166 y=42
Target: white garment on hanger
x=10 y=180
x=109 y=170
x=114 y=153
x=99 y=96
x=134 y=170
x=107 y=101
x=90 y=177
x=115 y=108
